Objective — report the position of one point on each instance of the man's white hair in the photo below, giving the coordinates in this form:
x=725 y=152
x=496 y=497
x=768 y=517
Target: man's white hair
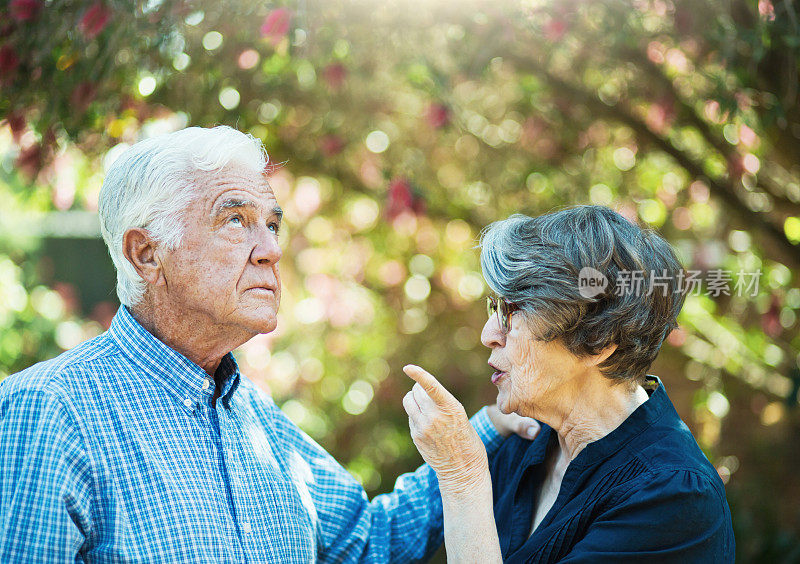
x=154 y=181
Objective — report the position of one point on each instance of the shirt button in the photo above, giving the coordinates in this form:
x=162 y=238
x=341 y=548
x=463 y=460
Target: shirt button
x=187 y=402
x=206 y=383
x=246 y=527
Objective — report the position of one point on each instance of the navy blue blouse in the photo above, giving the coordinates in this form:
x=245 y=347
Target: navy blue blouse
x=643 y=493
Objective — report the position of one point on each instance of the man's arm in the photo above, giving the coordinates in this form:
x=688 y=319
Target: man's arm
x=402 y=526
x=45 y=484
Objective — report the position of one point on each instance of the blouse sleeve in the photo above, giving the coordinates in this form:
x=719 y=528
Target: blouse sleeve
x=674 y=516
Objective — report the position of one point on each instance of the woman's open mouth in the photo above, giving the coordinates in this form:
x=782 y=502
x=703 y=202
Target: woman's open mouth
x=498 y=374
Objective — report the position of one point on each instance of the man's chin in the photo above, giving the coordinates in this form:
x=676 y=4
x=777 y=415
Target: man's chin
x=266 y=327
x=261 y=325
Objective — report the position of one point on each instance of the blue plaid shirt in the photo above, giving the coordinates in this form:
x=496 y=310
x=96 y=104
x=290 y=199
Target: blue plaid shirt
x=112 y=452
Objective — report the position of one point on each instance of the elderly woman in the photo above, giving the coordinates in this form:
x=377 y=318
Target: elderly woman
x=614 y=474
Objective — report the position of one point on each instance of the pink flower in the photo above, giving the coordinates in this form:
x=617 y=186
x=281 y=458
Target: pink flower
x=735 y=167
x=418 y=207
x=437 y=116
x=24 y=10
x=83 y=95
x=276 y=25
x=401 y=198
x=555 y=30
x=331 y=145
x=94 y=20
x=661 y=114
x=8 y=60
x=29 y=161
x=684 y=19
x=770 y=321
x=16 y=121
x=766 y=9
x=334 y=75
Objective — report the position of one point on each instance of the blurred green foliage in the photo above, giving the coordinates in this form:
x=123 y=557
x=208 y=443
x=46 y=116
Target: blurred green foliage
x=406 y=127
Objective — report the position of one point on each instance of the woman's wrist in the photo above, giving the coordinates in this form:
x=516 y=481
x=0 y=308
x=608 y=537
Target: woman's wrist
x=465 y=482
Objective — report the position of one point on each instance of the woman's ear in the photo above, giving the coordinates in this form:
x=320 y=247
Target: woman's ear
x=140 y=249
x=598 y=358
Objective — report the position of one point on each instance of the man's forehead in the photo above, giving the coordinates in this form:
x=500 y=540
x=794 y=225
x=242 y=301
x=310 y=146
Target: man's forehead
x=251 y=187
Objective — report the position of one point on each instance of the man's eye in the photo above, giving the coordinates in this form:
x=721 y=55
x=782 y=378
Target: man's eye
x=236 y=220
x=274 y=227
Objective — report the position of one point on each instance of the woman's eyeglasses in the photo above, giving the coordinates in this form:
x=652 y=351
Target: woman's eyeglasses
x=503 y=309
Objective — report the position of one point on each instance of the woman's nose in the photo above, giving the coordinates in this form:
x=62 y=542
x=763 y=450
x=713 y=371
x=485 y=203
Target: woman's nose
x=492 y=336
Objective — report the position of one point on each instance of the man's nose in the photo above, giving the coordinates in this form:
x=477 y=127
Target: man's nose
x=266 y=249
x=492 y=336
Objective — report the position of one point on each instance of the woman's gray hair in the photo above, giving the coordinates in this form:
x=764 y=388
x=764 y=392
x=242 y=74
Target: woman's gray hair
x=154 y=181
x=536 y=263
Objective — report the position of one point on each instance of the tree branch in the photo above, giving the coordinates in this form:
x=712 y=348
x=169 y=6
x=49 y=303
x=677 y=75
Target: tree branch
x=720 y=188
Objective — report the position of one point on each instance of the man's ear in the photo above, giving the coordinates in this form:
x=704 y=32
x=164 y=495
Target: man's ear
x=598 y=358
x=140 y=248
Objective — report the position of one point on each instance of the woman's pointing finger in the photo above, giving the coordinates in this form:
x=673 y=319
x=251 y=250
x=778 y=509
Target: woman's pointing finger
x=431 y=385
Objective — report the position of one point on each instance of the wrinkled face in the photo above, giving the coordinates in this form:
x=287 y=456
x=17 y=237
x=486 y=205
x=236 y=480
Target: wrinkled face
x=533 y=378
x=225 y=271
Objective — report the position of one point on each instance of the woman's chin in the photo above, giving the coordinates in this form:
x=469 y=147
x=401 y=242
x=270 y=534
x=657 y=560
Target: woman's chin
x=503 y=404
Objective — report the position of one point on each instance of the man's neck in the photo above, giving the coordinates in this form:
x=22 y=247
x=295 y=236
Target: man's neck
x=191 y=337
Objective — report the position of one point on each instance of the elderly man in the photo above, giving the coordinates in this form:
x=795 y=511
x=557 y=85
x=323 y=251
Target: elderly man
x=145 y=444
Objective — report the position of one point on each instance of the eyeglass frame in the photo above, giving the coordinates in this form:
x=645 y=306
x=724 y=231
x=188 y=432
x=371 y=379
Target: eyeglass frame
x=503 y=309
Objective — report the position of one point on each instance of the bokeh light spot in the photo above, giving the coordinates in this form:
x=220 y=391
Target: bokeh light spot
x=422 y=265
x=718 y=404
x=653 y=212
x=195 y=18
x=147 y=85
x=248 y=59
x=212 y=41
x=267 y=112
x=417 y=288
x=624 y=158
x=181 y=61
x=601 y=195
x=751 y=163
x=377 y=141
x=229 y=98
x=792 y=229
x=358 y=397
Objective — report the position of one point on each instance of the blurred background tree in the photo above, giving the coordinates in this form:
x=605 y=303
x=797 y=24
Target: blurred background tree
x=405 y=128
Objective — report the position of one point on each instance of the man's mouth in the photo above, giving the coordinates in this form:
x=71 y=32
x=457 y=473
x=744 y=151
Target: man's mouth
x=262 y=290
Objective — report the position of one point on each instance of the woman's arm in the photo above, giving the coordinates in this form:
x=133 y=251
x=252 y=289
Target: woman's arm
x=448 y=443
x=470 y=534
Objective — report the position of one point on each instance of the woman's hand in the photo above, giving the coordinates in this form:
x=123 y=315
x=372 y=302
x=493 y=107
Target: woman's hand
x=449 y=444
x=443 y=435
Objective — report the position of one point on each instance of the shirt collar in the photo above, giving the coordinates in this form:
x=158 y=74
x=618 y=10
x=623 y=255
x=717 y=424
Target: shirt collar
x=181 y=377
